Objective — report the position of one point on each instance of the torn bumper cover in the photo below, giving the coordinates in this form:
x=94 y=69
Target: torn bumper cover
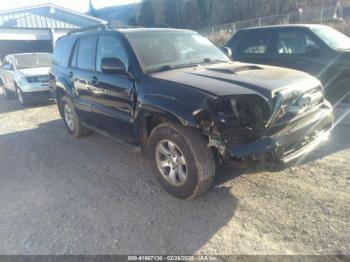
x=291 y=143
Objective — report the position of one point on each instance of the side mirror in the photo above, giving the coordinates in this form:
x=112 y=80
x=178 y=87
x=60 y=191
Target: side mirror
x=8 y=67
x=111 y=65
x=227 y=50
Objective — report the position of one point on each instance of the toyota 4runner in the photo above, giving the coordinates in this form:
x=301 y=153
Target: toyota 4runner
x=180 y=99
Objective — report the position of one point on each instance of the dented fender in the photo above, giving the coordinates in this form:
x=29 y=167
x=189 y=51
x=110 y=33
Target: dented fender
x=166 y=107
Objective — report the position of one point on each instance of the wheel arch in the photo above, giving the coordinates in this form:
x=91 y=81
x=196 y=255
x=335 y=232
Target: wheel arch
x=62 y=88
x=155 y=110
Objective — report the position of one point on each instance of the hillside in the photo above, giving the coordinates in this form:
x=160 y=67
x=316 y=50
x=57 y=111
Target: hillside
x=121 y=14
x=196 y=14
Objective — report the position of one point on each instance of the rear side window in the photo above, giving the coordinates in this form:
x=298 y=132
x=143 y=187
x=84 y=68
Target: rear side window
x=255 y=42
x=62 y=51
x=86 y=53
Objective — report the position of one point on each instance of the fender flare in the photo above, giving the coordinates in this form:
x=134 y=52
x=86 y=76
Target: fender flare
x=62 y=83
x=165 y=106
x=162 y=106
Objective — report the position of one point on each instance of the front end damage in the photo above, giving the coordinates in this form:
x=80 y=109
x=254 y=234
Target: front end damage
x=280 y=129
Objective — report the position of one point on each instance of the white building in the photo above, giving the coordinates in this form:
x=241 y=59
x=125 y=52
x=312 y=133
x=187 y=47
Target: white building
x=36 y=28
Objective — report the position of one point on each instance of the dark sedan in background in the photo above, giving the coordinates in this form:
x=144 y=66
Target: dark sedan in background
x=316 y=49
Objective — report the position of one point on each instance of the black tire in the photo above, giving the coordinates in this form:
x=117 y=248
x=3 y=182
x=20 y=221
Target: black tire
x=21 y=99
x=77 y=130
x=7 y=93
x=199 y=158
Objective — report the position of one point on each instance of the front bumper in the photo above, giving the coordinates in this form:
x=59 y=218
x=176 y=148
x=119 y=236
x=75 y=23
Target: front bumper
x=293 y=142
x=37 y=96
x=34 y=87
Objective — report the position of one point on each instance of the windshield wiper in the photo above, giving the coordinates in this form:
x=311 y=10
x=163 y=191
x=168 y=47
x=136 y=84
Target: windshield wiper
x=208 y=60
x=171 y=67
x=194 y=64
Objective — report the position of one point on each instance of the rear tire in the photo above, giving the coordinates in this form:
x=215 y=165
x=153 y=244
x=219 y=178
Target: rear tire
x=71 y=118
x=183 y=163
x=7 y=93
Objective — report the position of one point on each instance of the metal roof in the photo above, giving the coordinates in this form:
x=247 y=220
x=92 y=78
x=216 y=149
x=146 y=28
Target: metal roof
x=46 y=16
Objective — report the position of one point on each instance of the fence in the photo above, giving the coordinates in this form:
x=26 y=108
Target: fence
x=221 y=33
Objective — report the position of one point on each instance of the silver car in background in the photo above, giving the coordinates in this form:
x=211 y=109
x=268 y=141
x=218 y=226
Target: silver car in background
x=26 y=75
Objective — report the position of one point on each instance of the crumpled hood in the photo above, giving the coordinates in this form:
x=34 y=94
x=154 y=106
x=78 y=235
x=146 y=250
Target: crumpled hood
x=239 y=78
x=34 y=71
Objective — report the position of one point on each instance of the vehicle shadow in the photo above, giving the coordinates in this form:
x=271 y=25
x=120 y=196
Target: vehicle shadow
x=88 y=196
x=12 y=105
x=61 y=195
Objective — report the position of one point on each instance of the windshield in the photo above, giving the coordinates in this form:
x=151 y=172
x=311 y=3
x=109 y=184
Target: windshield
x=173 y=49
x=32 y=60
x=332 y=37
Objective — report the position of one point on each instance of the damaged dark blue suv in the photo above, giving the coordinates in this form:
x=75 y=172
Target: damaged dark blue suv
x=178 y=98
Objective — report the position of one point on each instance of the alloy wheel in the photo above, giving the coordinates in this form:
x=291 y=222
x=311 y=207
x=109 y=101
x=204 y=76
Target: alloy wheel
x=69 y=117
x=20 y=96
x=171 y=163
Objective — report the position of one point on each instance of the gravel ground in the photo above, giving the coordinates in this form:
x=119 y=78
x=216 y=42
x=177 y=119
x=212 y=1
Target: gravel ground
x=60 y=195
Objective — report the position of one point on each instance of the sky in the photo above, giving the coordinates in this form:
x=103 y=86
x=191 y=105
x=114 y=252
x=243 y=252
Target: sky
x=77 y=5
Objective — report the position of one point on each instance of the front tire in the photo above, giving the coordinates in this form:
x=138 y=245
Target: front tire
x=71 y=118
x=21 y=99
x=183 y=163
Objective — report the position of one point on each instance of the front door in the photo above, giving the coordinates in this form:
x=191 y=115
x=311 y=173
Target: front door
x=8 y=74
x=112 y=94
x=254 y=47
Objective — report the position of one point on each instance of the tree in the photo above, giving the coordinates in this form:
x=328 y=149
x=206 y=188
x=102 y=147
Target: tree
x=92 y=11
x=147 y=15
x=205 y=8
x=133 y=21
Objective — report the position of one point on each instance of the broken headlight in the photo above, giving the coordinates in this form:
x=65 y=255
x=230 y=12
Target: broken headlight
x=243 y=111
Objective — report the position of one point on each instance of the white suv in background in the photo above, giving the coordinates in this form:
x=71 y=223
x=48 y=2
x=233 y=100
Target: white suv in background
x=26 y=75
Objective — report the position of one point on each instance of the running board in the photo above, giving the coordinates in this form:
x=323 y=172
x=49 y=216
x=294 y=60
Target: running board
x=130 y=146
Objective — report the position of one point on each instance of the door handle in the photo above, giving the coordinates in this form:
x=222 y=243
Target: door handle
x=70 y=74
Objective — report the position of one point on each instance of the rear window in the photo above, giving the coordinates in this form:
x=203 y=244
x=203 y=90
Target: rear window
x=86 y=53
x=255 y=42
x=62 y=51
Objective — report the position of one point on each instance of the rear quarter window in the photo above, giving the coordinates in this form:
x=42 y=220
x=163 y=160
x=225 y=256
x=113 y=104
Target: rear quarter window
x=63 y=51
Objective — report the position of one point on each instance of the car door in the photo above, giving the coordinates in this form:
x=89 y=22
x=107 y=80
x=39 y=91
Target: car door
x=252 y=46
x=82 y=68
x=112 y=94
x=8 y=73
x=296 y=48
x=4 y=71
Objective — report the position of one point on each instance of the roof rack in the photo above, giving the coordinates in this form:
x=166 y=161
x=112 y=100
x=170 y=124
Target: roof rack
x=117 y=26
x=102 y=27
x=89 y=28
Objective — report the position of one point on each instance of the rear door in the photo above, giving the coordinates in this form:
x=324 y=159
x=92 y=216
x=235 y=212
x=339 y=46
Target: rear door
x=82 y=69
x=253 y=46
x=112 y=94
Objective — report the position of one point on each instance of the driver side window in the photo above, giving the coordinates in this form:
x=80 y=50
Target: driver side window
x=111 y=47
